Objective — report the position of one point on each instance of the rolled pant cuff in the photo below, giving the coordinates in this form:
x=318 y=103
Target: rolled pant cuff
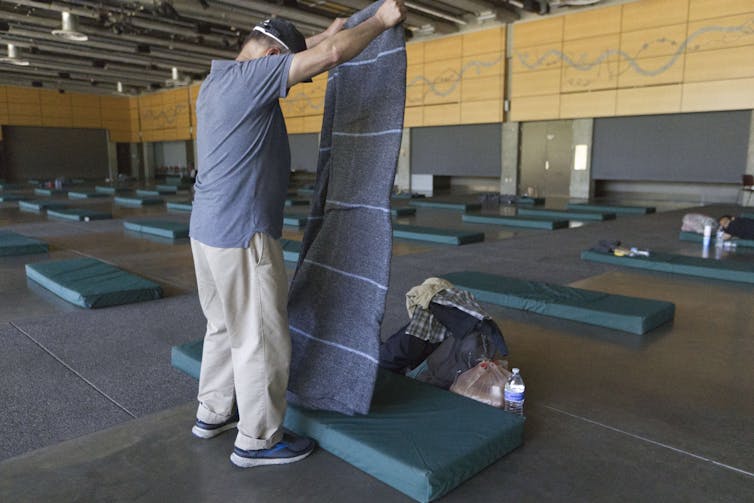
x=205 y=415
x=254 y=444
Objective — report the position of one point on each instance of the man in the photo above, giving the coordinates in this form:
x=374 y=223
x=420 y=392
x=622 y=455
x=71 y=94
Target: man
x=737 y=227
x=244 y=165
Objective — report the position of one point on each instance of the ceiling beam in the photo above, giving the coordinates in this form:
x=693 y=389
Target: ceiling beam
x=413 y=19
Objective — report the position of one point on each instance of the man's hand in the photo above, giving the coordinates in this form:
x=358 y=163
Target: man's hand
x=335 y=26
x=391 y=12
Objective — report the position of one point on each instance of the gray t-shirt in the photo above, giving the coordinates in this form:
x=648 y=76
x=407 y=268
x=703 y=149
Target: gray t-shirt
x=243 y=153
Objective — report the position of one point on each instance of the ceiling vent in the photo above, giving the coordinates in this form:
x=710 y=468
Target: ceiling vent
x=70 y=29
x=176 y=79
x=13 y=58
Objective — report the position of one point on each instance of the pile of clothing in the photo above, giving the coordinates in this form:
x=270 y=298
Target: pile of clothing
x=618 y=249
x=448 y=333
x=696 y=222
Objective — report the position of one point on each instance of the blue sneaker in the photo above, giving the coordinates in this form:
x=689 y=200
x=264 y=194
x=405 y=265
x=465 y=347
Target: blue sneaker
x=290 y=449
x=209 y=430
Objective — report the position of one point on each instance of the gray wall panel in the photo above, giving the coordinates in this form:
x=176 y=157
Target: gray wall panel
x=304 y=151
x=473 y=150
x=700 y=147
x=39 y=152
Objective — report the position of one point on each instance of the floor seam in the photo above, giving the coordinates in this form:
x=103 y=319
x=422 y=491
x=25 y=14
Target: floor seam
x=73 y=371
x=653 y=442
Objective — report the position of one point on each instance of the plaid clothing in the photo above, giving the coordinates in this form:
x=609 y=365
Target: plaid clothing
x=423 y=324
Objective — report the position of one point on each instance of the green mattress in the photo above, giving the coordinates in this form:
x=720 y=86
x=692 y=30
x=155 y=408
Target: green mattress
x=49 y=192
x=179 y=205
x=516 y=221
x=698 y=238
x=445 y=205
x=296 y=202
x=305 y=192
x=162 y=228
x=90 y=283
x=16 y=244
x=610 y=208
x=419 y=439
x=435 y=235
x=402 y=212
x=747 y=215
x=153 y=192
x=10 y=186
x=729 y=270
x=291 y=249
x=177 y=180
x=629 y=314
x=40 y=205
x=86 y=195
x=295 y=220
x=7 y=198
x=106 y=189
x=530 y=201
x=78 y=214
x=137 y=201
x=169 y=189
x=565 y=214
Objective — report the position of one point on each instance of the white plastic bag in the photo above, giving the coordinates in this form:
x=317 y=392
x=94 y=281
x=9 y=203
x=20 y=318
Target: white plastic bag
x=485 y=382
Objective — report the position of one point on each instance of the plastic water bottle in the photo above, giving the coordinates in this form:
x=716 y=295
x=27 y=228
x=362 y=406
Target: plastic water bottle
x=514 y=393
x=719 y=237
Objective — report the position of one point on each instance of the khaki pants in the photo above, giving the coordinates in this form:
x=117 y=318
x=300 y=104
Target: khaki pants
x=247 y=347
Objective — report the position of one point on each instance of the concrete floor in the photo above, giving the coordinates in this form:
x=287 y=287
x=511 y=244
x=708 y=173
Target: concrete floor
x=94 y=412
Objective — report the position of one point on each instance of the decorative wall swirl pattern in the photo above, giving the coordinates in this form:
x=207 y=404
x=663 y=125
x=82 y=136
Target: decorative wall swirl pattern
x=551 y=56
x=450 y=79
x=164 y=118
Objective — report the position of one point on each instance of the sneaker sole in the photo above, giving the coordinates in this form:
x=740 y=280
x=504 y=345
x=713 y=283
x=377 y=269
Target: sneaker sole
x=242 y=462
x=202 y=433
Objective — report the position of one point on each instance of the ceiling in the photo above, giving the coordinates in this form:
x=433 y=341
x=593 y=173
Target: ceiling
x=153 y=44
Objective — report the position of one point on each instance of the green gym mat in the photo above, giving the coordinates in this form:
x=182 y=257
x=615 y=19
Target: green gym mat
x=742 y=272
x=402 y=212
x=305 y=192
x=179 y=205
x=137 y=201
x=86 y=195
x=177 y=180
x=698 y=238
x=629 y=314
x=10 y=186
x=49 y=192
x=12 y=243
x=445 y=205
x=530 y=201
x=153 y=192
x=516 y=221
x=106 y=189
x=8 y=198
x=296 y=202
x=78 y=214
x=90 y=283
x=169 y=189
x=163 y=228
x=41 y=205
x=610 y=208
x=565 y=214
x=295 y=220
x=419 y=439
x=747 y=215
x=435 y=235
x=291 y=249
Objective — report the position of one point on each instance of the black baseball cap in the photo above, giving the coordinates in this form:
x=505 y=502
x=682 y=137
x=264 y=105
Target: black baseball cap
x=282 y=32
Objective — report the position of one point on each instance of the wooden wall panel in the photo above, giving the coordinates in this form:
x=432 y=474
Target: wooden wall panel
x=415 y=85
x=535 y=83
x=651 y=73
x=709 y=9
x=442 y=49
x=484 y=89
x=443 y=82
x=649 y=43
x=480 y=112
x=539 y=32
x=534 y=108
x=413 y=117
x=649 y=100
x=721 y=33
x=415 y=53
x=483 y=42
x=591 y=104
x=592 y=23
x=652 y=13
x=721 y=95
x=721 y=64
x=537 y=58
x=442 y=115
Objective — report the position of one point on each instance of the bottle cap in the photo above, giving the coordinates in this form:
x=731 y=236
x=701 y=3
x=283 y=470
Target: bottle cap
x=515 y=371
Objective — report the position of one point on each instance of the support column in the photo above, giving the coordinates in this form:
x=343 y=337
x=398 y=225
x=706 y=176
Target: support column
x=403 y=172
x=749 y=201
x=134 y=153
x=148 y=151
x=509 y=160
x=582 y=186
x=112 y=161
